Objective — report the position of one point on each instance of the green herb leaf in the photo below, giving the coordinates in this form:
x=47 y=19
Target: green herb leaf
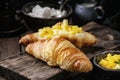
x=119 y=62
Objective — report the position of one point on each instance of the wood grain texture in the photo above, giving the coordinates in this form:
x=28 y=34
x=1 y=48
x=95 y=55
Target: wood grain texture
x=107 y=39
x=8 y=47
x=29 y=67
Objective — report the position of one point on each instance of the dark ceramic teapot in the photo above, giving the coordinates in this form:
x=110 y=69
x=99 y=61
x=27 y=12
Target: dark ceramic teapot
x=86 y=12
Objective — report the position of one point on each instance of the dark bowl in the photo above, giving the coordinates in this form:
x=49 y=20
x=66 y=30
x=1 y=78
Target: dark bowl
x=99 y=56
x=35 y=23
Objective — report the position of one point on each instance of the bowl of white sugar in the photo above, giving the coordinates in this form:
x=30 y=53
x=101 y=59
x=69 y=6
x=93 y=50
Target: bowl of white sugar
x=40 y=14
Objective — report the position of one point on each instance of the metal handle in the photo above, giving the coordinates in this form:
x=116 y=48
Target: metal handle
x=99 y=12
x=62 y=4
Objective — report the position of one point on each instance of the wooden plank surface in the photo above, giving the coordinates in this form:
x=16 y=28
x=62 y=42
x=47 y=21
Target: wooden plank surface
x=27 y=67
x=9 y=47
x=107 y=39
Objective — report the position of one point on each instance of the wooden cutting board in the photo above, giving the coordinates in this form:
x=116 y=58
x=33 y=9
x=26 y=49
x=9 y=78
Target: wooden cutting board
x=26 y=67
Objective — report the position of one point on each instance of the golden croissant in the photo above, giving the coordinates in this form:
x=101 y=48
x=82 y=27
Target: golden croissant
x=74 y=34
x=60 y=52
x=79 y=40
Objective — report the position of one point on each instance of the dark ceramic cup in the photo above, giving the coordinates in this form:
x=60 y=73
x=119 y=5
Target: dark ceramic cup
x=86 y=12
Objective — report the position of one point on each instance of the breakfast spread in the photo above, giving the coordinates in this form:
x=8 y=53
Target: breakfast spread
x=76 y=35
x=111 y=61
x=59 y=46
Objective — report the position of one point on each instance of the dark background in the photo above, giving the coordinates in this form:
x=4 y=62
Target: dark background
x=110 y=7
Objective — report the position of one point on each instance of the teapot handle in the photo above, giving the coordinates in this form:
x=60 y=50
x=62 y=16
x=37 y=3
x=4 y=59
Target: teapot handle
x=99 y=12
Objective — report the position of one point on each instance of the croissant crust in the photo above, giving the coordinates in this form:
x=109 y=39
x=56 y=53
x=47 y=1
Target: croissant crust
x=60 y=52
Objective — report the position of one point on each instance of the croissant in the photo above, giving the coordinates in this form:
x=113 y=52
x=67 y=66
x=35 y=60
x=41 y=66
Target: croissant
x=74 y=34
x=29 y=38
x=60 y=52
x=79 y=40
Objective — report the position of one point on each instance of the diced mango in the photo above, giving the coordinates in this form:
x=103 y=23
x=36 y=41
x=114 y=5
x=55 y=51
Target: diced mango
x=56 y=29
x=111 y=61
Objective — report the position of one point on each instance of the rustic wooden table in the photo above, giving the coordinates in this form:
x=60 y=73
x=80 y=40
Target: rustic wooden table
x=15 y=64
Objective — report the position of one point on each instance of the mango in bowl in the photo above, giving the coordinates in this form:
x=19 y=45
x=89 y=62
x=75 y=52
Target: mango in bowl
x=108 y=61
